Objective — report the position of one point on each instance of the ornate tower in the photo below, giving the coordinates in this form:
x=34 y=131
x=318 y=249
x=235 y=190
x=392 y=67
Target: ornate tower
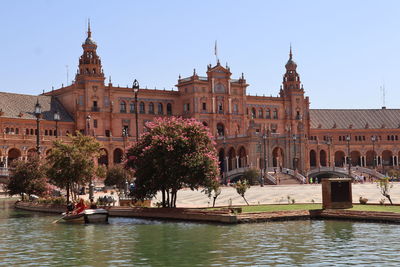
x=296 y=113
x=89 y=62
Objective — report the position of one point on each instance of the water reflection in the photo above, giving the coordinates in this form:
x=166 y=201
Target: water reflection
x=31 y=239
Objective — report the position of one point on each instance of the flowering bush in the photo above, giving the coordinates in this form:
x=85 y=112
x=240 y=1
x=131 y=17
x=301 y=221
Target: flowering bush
x=173 y=153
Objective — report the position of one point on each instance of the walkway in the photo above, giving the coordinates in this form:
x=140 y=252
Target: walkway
x=275 y=194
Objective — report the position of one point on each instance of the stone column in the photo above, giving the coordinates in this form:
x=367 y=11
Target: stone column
x=6 y=162
x=227 y=164
x=237 y=161
x=393 y=158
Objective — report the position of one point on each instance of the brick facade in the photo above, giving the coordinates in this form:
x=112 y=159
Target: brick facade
x=247 y=128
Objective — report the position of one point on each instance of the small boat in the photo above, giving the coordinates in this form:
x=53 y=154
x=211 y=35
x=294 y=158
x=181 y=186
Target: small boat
x=88 y=216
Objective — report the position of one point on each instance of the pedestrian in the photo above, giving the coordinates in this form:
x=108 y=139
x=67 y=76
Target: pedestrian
x=311 y=180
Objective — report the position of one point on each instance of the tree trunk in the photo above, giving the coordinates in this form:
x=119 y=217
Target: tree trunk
x=390 y=200
x=67 y=193
x=245 y=200
x=214 y=199
x=168 y=198
x=175 y=200
x=163 y=198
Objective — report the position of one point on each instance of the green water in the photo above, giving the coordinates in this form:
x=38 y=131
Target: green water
x=30 y=239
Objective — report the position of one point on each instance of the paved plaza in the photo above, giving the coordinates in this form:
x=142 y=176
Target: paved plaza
x=275 y=194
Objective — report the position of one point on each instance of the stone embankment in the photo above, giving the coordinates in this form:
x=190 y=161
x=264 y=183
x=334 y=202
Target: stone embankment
x=226 y=215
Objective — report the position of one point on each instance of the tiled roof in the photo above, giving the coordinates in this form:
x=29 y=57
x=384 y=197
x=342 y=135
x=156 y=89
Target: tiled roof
x=20 y=106
x=355 y=118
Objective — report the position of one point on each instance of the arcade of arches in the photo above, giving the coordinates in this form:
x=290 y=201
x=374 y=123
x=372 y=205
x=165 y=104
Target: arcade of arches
x=367 y=159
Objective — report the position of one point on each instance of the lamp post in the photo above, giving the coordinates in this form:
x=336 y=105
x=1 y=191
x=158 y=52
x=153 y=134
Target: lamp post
x=91 y=185
x=124 y=137
x=295 y=154
x=265 y=159
x=135 y=89
x=57 y=119
x=348 y=138
x=329 y=142
x=225 y=163
x=373 y=139
x=38 y=114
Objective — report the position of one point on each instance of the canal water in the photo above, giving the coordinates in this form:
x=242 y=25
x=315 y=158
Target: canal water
x=31 y=239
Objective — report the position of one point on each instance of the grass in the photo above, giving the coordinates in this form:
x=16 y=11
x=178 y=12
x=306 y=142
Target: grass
x=289 y=207
x=383 y=208
x=281 y=207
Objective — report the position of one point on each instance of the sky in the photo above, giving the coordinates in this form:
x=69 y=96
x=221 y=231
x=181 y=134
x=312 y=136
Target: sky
x=346 y=51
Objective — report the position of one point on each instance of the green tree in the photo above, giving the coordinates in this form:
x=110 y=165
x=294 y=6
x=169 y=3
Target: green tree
x=241 y=188
x=213 y=191
x=384 y=186
x=251 y=175
x=27 y=177
x=117 y=176
x=72 y=164
x=173 y=153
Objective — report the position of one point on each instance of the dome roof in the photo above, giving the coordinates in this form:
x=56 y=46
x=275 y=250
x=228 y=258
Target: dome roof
x=89 y=41
x=291 y=64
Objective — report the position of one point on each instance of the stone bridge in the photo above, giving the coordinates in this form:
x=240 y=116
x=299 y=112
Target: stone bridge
x=343 y=172
x=232 y=174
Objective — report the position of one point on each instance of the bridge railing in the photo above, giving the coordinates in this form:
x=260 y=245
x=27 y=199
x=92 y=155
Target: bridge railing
x=270 y=178
x=236 y=171
x=295 y=174
x=371 y=172
x=346 y=171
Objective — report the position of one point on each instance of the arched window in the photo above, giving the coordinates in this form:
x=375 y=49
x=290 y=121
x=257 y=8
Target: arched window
x=141 y=108
x=27 y=131
x=132 y=107
x=169 y=109
x=235 y=108
x=151 y=108
x=260 y=113
x=31 y=131
x=220 y=129
x=122 y=106
x=275 y=114
x=268 y=114
x=220 y=108
x=253 y=113
x=46 y=132
x=160 y=109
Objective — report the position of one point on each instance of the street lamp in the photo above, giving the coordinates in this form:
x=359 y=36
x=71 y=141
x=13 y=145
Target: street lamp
x=57 y=119
x=294 y=150
x=88 y=118
x=225 y=163
x=373 y=139
x=124 y=137
x=329 y=142
x=91 y=185
x=265 y=159
x=135 y=88
x=348 y=138
x=38 y=114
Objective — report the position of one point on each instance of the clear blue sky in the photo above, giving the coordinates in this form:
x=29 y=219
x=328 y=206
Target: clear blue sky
x=345 y=50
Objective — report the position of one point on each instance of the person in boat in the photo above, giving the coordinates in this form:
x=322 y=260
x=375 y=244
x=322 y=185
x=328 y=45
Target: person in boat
x=80 y=207
x=70 y=207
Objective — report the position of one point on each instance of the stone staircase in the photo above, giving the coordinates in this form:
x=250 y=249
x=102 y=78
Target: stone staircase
x=283 y=178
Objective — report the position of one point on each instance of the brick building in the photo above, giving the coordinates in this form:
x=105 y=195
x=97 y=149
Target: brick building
x=251 y=131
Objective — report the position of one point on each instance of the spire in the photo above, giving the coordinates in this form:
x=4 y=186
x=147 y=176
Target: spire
x=89 y=33
x=291 y=65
